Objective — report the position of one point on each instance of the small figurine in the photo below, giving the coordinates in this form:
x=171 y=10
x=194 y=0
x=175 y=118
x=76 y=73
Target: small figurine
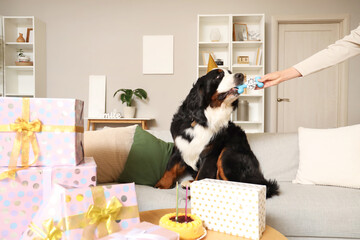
x=251 y=84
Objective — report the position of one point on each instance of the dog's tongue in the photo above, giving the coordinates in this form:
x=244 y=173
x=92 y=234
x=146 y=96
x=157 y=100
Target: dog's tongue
x=234 y=90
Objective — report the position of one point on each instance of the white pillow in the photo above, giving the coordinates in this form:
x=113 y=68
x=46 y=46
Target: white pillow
x=329 y=156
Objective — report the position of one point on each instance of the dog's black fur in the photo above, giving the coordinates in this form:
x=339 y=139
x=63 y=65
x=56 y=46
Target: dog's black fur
x=227 y=155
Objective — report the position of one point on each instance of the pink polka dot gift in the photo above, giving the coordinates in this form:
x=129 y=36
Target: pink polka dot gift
x=85 y=213
x=40 y=132
x=21 y=197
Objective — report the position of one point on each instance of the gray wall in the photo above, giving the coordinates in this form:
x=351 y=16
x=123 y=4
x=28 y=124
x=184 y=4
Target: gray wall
x=90 y=37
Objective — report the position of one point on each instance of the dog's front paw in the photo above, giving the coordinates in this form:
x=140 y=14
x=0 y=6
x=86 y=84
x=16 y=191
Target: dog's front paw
x=186 y=183
x=164 y=183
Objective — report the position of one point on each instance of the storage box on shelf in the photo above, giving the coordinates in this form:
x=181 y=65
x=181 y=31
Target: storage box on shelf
x=229 y=47
x=24 y=79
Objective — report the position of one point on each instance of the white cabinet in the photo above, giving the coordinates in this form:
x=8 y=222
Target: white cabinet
x=240 y=48
x=24 y=79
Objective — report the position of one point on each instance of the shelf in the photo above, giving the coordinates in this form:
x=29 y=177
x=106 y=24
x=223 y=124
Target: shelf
x=229 y=51
x=247 y=44
x=18 y=95
x=29 y=68
x=205 y=67
x=247 y=122
x=214 y=44
x=252 y=95
x=248 y=67
x=22 y=45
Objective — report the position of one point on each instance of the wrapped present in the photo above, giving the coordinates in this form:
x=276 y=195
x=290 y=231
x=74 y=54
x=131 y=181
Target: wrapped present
x=20 y=198
x=230 y=207
x=144 y=231
x=40 y=132
x=85 y=213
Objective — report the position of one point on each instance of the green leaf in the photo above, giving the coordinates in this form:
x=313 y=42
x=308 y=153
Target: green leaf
x=128 y=94
x=140 y=93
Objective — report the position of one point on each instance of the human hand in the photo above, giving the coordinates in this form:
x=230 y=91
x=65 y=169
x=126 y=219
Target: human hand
x=275 y=78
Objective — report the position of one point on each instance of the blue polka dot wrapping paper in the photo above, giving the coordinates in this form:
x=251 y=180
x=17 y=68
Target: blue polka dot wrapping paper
x=61 y=137
x=21 y=198
x=71 y=210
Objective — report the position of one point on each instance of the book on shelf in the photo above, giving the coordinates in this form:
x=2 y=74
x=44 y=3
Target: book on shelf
x=258 y=56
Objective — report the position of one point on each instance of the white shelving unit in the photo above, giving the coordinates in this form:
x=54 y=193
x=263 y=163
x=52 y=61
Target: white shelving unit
x=23 y=81
x=228 y=49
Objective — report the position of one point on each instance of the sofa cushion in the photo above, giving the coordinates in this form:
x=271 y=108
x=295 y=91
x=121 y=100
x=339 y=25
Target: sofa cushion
x=329 y=156
x=315 y=211
x=147 y=160
x=278 y=154
x=109 y=148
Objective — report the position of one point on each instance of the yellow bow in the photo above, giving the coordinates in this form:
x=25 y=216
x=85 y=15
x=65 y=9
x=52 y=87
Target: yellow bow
x=21 y=125
x=49 y=231
x=25 y=135
x=98 y=215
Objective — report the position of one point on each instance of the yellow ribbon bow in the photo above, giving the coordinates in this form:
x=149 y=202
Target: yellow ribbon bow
x=98 y=215
x=25 y=135
x=49 y=231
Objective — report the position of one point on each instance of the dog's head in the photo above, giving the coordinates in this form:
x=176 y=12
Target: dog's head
x=216 y=88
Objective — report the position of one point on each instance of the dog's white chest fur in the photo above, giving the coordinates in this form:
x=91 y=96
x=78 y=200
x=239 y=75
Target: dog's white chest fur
x=217 y=119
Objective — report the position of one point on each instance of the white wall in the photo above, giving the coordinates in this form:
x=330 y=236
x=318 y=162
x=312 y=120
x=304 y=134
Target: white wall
x=89 y=37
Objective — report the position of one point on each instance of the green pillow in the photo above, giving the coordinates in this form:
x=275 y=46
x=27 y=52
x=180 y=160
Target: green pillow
x=147 y=159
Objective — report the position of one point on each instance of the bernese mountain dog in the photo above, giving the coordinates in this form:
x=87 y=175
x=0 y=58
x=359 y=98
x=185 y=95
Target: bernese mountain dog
x=207 y=143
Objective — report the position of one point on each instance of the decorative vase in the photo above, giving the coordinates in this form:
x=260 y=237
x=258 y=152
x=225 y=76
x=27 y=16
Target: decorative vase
x=129 y=112
x=20 y=38
x=243 y=111
x=215 y=35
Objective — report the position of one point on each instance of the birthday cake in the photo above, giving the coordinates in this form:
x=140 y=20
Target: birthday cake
x=191 y=228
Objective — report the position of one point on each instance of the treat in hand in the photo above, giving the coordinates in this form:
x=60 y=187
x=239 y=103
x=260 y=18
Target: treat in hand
x=251 y=84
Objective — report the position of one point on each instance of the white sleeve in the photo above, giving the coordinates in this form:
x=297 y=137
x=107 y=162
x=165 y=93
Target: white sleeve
x=341 y=50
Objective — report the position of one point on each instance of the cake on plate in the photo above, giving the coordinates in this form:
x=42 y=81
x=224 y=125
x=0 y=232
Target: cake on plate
x=190 y=229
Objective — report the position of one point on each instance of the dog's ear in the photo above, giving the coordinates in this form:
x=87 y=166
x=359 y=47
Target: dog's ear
x=197 y=96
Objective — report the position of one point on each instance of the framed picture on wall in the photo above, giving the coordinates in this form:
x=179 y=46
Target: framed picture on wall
x=240 y=32
x=205 y=56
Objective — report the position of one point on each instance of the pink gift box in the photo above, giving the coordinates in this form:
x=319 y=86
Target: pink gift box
x=144 y=231
x=71 y=210
x=21 y=198
x=61 y=137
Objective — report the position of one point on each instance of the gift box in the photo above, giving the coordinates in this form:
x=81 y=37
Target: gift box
x=230 y=207
x=41 y=132
x=144 y=231
x=86 y=213
x=21 y=198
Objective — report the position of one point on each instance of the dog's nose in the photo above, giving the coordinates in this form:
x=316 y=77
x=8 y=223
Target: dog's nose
x=239 y=78
x=239 y=75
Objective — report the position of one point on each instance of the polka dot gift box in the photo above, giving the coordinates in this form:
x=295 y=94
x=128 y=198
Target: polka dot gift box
x=22 y=197
x=55 y=128
x=230 y=207
x=86 y=213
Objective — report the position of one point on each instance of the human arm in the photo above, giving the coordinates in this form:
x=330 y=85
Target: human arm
x=338 y=52
x=275 y=78
x=341 y=50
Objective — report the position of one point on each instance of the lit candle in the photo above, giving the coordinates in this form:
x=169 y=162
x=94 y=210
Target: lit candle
x=186 y=203
x=177 y=200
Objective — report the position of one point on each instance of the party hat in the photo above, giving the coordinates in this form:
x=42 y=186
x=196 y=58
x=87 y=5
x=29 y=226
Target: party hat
x=211 y=64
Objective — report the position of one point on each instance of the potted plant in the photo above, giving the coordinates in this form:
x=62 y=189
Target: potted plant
x=127 y=96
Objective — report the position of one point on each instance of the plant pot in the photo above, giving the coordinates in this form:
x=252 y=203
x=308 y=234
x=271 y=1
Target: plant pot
x=129 y=112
